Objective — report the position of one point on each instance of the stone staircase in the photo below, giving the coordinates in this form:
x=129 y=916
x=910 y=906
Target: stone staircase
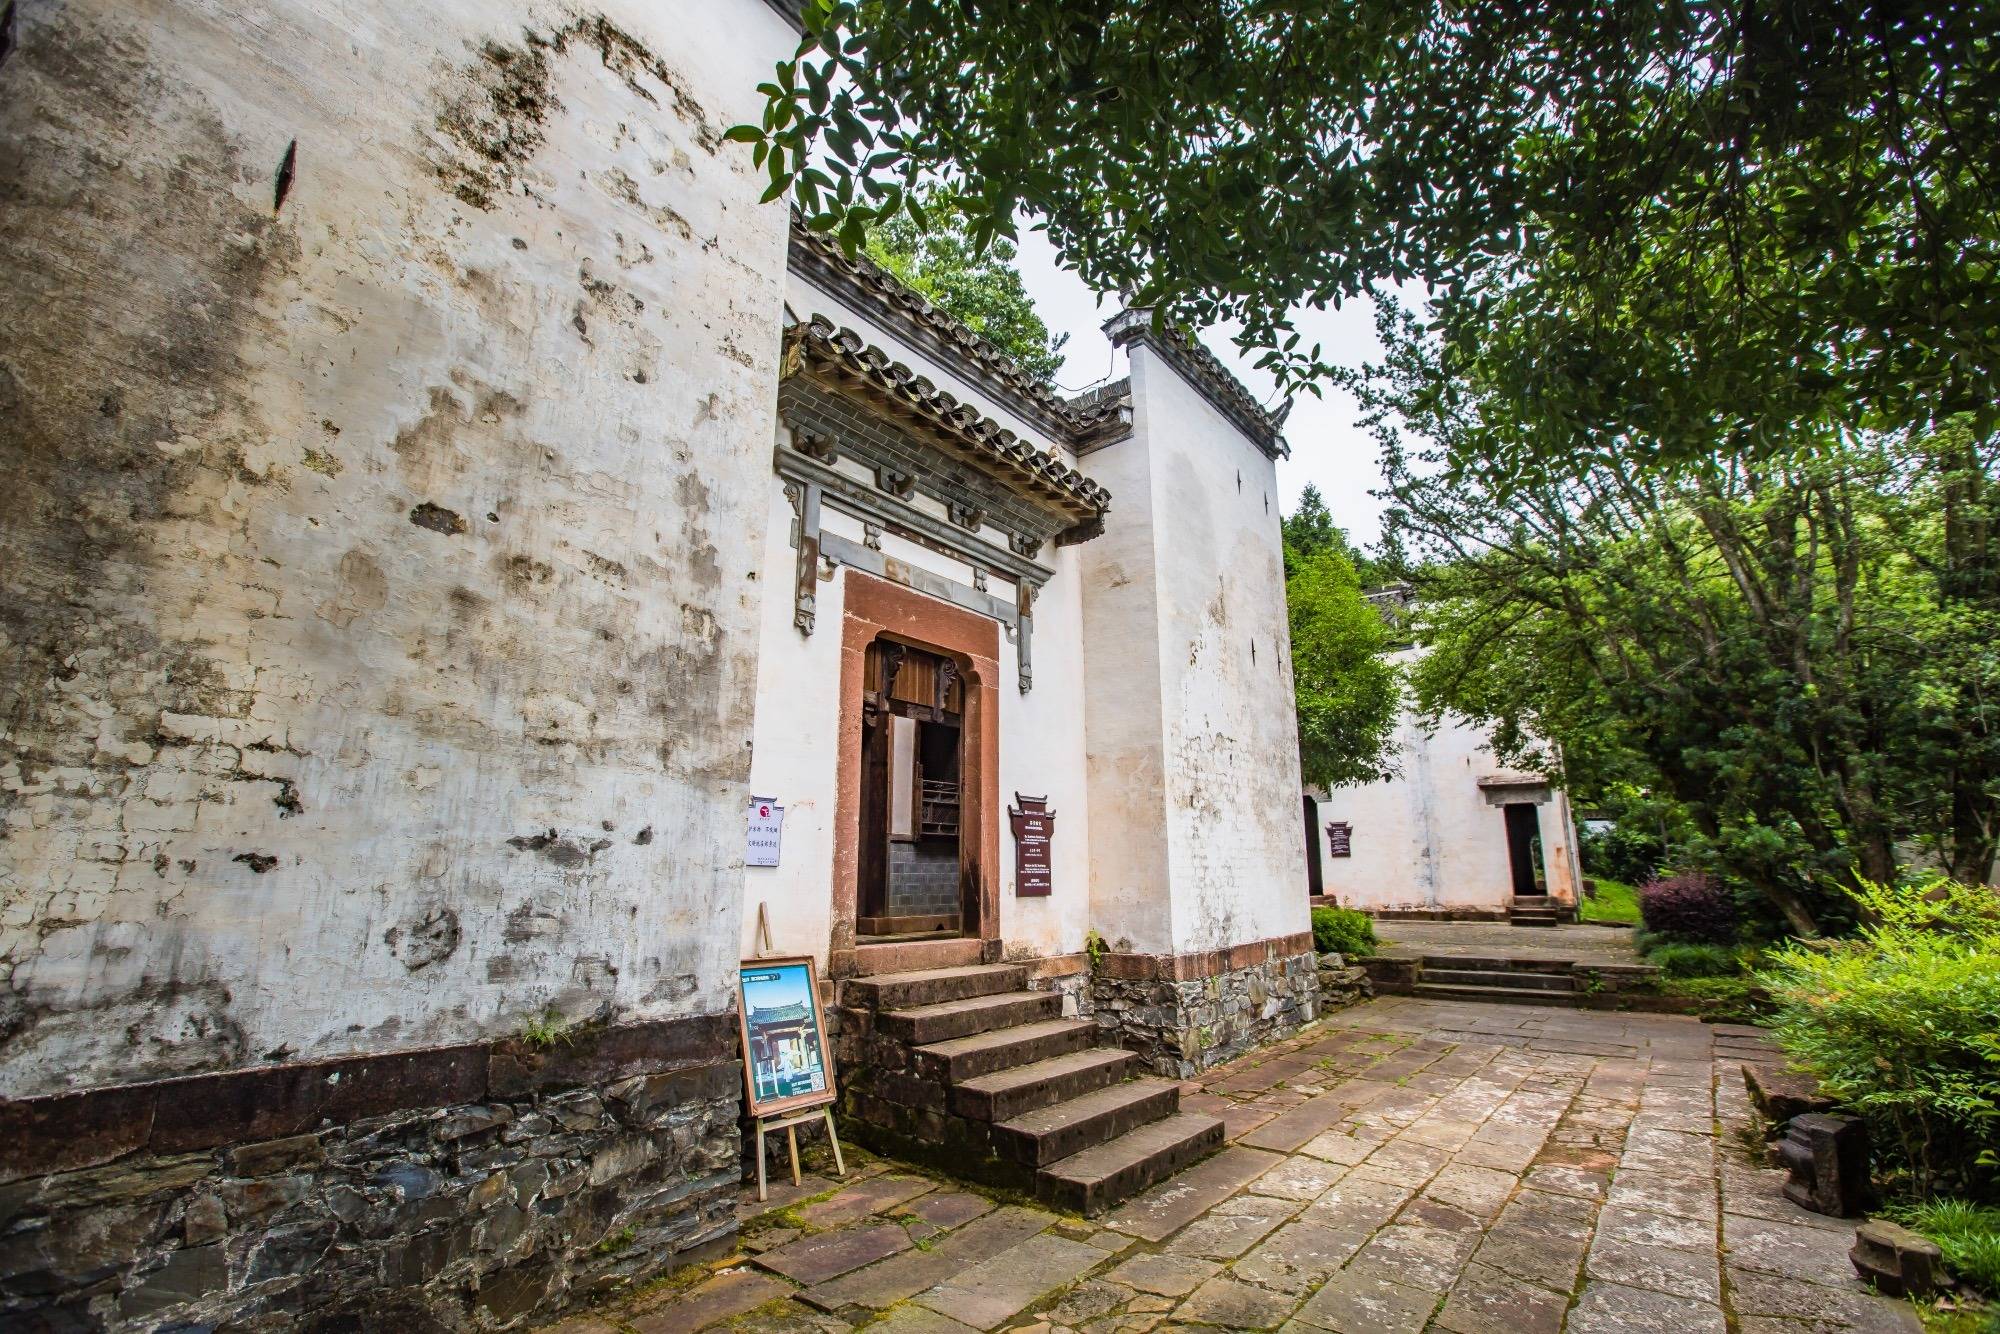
x=967 y=1069
x=1533 y=910
x=1511 y=981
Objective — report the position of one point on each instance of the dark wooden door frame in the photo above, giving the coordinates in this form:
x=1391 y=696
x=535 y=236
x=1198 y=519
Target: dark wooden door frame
x=1315 y=869
x=1524 y=831
x=874 y=608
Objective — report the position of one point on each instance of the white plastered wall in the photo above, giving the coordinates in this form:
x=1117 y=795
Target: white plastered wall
x=406 y=689
x=1429 y=839
x=1193 y=740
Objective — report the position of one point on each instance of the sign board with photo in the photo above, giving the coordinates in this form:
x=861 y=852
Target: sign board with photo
x=785 y=1062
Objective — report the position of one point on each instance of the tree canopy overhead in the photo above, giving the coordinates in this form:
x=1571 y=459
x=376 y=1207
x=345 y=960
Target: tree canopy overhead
x=1781 y=215
x=980 y=288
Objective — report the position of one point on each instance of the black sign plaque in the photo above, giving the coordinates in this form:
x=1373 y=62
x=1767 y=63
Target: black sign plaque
x=1034 y=831
x=1340 y=839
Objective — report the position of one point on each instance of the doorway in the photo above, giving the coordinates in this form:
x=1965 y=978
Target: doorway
x=1524 y=848
x=1315 y=869
x=912 y=865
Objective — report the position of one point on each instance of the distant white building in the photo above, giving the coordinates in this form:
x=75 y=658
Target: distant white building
x=1454 y=834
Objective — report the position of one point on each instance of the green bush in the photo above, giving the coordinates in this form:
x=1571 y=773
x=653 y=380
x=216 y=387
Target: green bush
x=1623 y=852
x=1899 y=1024
x=1968 y=1235
x=1345 y=931
x=1678 y=959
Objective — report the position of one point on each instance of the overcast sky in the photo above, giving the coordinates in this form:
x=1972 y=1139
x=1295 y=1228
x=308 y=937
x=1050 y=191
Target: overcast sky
x=1328 y=447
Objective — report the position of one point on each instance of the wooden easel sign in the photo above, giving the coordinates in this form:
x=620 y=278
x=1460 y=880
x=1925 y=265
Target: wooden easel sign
x=786 y=1070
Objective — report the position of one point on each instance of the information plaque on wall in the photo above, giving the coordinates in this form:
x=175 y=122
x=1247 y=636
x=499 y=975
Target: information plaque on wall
x=1034 y=831
x=765 y=833
x=1340 y=839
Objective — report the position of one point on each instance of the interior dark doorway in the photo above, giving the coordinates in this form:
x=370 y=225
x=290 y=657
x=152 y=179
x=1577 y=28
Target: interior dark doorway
x=911 y=862
x=1315 y=869
x=1524 y=848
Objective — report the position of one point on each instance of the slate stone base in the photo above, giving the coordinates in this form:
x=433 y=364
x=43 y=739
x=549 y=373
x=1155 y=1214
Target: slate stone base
x=575 y=1169
x=1181 y=1026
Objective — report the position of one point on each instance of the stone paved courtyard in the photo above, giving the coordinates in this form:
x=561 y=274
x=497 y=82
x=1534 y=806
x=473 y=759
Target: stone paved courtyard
x=1405 y=1165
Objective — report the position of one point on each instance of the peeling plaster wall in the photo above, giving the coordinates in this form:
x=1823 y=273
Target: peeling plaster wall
x=1428 y=839
x=387 y=409
x=1194 y=746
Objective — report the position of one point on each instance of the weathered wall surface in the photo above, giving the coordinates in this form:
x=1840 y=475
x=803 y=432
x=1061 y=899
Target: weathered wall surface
x=1219 y=645
x=1121 y=672
x=386 y=406
x=1428 y=840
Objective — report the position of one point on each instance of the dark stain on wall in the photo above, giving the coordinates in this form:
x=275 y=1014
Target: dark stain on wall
x=494 y=122
x=438 y=519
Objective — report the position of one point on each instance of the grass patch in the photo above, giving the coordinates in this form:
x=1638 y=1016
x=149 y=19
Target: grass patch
x=1616 y=901
x=1722 y=1000
x=1968 y=1234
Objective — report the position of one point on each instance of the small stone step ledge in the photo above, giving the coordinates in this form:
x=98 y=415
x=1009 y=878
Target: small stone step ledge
x=1524 y=981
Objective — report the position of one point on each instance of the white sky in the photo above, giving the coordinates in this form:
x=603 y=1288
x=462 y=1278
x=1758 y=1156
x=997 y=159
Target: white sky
x=1328 y=446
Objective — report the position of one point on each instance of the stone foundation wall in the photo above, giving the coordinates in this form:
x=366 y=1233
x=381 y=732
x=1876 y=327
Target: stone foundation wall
x=477 y=1187
x=1341 y=984
x=1068 y=975
x=1183 y=1025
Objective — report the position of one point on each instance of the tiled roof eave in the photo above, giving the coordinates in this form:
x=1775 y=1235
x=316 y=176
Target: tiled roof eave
x=880 y=295
x=840 y=360
x=1201 y=369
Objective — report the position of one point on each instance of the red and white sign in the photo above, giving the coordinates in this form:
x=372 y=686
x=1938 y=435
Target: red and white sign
x=766 y=832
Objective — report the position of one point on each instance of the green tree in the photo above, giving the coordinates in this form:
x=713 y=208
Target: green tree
x=1347 y=689
x=934 y=255
x=1795 y=650
x=1785 y=218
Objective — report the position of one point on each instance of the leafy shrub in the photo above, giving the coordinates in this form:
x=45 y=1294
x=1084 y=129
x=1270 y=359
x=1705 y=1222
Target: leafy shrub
x=1689 y=907
x=1899 y=1024
x=1968 y=1235
x=1681 y=959
x=1623 y=852
x=1345 y=931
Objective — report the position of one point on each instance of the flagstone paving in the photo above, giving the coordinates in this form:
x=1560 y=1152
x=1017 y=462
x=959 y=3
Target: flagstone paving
x=1405 y=1165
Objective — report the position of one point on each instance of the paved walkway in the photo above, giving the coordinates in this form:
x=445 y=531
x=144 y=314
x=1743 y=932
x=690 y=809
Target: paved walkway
x=1574 y=941
x=1405 y=1165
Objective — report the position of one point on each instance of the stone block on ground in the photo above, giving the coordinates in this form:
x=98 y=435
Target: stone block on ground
x=1780 y=1094
x=1897 y=1260
x=1828 y=1159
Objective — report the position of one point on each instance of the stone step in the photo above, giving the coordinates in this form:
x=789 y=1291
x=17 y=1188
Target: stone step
x=1041 y=1137
x=1497 y=963
x=1519 y=919
x=1502 y=995
x=1024 y=1088
x=963 y=1018
x=961 y=1059
x=1098 y=1178
x=932 y=986
x=1480 y=977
